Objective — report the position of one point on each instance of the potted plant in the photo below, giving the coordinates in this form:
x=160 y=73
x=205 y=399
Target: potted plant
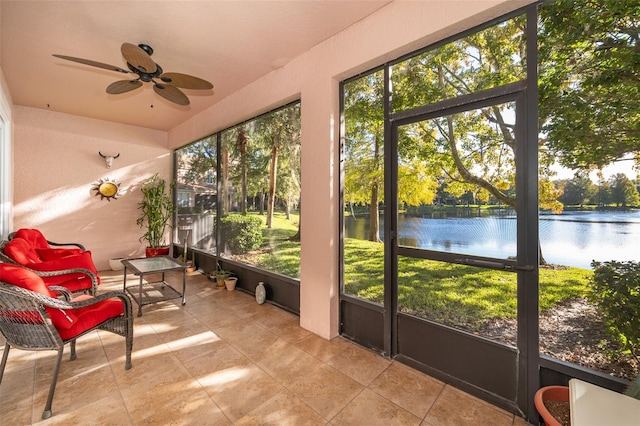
x=220 y=275
x=552 y=403
x=156 y=211
x=230 y=283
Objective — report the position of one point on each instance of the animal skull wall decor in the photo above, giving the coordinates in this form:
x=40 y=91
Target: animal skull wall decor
x=109 y=158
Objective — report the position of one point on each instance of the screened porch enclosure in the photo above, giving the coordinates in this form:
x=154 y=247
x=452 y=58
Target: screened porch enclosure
x=447 y=171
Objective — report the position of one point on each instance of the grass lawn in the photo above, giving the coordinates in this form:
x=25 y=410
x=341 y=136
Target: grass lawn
x=450 y=293
x=278 y=252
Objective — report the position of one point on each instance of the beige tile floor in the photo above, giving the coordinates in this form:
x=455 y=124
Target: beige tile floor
x=223 y=359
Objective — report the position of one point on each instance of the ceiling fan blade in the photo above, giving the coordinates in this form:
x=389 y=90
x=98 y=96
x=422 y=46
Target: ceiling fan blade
x=171 y=93
x=123 y=86
x=138 y=58
x=185 y=81
x=93 y=63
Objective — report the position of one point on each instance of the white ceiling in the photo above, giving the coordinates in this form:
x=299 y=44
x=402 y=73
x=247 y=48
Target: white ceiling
x=227 y=42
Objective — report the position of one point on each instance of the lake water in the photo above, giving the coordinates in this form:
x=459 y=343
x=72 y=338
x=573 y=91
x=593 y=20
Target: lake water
x=572 y=238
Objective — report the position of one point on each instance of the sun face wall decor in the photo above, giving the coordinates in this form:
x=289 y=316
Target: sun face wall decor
x=106 y=188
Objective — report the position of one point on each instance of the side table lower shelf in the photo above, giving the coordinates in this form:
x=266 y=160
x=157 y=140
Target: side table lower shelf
x=146 y=293
x=152 y=293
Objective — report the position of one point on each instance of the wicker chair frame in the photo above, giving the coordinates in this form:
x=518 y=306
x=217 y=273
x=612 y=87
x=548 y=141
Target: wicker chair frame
x=25 y=325
x=94 y=278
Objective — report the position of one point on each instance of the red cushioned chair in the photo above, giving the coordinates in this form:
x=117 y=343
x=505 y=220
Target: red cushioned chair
x=80 y=271
x=33 y=319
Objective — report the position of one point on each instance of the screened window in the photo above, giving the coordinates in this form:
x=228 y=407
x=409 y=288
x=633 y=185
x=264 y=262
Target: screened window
x=196 y=194
x=490 y=58
x=589 y=219
x=260 y=191
x=256 y=194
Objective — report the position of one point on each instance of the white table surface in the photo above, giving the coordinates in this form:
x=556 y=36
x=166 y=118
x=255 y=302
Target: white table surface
x=593 y=405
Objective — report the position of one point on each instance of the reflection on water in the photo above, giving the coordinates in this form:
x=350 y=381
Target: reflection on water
x=572 y=238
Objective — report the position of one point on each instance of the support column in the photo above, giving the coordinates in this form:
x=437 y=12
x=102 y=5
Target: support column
x=319 y=292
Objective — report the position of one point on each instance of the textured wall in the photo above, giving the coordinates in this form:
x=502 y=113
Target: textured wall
x=56 y=163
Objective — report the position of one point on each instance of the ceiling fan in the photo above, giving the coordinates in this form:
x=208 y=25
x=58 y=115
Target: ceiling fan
x=139 y=62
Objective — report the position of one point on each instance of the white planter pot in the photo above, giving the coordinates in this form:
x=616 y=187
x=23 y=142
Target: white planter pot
x=115 y=264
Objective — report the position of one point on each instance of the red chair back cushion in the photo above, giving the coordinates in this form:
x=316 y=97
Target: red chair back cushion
x=56 y=253
x=21 y=252
x=33 y=237
x=82 y=260
x=11 y=274
x=21 y=277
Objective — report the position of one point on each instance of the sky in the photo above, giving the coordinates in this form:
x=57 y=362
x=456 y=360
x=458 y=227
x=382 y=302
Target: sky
x=624 y=166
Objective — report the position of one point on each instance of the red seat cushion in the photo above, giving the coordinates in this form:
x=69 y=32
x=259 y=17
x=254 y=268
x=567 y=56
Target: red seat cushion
x=22 y=317
x=91 y=316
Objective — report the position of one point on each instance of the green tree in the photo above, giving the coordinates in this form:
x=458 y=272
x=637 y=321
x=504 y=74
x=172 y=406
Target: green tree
x=363 y=146
x=197 y=162
x=280 y=130
x=623 y=191
x=602 y=196
x=589 y=59
x=578 y=191
x=242 y=146
x=474 y=150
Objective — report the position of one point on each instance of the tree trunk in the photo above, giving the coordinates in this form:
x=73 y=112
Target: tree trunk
x=374 y=222
x=261 y=201
x=242 y=144
x=287 y=211
x=225 y=182
x=374 y=217
x=273 y=167
x=296 y=237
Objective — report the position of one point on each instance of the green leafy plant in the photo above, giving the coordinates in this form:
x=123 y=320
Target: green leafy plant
x=156 y=210
x=241 y=233
x=220 y=275
x=615 y=288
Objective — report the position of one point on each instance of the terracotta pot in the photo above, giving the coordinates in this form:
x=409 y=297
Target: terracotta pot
x=157 y=251
x=230 y=283
x=547 y=393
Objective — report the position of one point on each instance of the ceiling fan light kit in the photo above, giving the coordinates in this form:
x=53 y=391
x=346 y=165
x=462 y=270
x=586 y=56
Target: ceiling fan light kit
x=140 y=63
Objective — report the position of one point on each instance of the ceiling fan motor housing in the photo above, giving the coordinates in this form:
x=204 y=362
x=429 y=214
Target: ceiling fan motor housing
x=145 y=76
x=146 y=48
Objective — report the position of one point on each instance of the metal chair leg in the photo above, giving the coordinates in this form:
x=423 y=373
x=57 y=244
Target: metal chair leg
x=3 y=364
x=47 y=409
x=73 y=350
